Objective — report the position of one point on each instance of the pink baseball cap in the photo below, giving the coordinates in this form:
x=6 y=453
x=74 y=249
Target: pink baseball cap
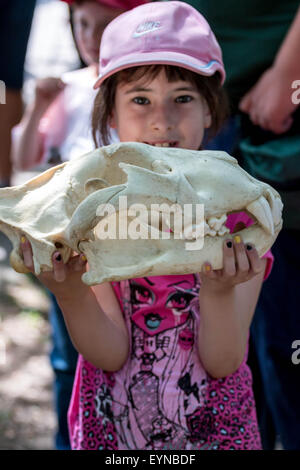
x=116 y=4
x=170 y=33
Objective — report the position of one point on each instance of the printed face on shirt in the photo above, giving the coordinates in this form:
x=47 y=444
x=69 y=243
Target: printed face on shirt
x=170 y=309
x=90 y=20
x=160 y=113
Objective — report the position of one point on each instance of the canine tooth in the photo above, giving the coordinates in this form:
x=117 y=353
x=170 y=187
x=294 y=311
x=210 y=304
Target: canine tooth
x=260 y=208
x=277 y=210
x=276 y=206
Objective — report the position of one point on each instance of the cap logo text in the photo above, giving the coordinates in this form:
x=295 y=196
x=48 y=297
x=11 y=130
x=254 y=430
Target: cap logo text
x=147 y=27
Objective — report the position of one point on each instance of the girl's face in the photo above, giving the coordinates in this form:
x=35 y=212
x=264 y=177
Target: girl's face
x=90 y=20
x=160 y=113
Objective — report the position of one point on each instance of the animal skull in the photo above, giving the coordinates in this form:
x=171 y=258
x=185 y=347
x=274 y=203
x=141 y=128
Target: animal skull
x=59 y=210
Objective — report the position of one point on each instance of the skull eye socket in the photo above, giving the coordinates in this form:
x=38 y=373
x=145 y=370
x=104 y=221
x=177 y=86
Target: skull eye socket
x=58 y=245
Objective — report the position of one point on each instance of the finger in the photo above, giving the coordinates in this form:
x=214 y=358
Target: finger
x=281 y=127
x=255 y=261
x=242 y=262
x=245 y=103
x=54 y=83
x=27 y=253
x=59 y=268
x=78 y=262
x=229 y=268
x=255 y=118
x=57 y=87
x=60 y=84
x=266 y=120
x=259 y=120
x=208 y=271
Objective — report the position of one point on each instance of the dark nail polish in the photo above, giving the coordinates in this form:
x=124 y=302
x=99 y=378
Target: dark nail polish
x=229 y=244
x=249 y=247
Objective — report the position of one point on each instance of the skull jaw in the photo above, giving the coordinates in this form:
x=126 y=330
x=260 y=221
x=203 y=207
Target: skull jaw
x=108 y=260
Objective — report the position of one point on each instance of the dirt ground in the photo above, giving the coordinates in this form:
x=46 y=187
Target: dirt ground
x=27 y=420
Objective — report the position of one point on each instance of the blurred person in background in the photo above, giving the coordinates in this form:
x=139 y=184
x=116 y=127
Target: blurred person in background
x=15 y=23
x=260 y=43
x=56 y=128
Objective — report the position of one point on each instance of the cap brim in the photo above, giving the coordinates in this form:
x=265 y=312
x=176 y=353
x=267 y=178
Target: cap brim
x=169 y=58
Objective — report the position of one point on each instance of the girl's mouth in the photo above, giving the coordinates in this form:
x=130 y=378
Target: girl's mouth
x=163 y=143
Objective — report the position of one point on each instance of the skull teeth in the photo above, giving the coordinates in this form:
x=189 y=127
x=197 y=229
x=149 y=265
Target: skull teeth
x=266 y=210
x=261 y=210
x=216 y=223
x=213 y=228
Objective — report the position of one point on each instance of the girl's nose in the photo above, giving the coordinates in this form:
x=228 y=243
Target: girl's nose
x=163 y=119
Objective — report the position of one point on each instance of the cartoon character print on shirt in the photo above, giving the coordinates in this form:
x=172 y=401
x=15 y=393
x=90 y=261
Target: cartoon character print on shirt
x=163 y=321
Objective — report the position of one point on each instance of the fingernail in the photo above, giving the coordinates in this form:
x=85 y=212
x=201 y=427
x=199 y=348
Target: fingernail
x=249 y=247
x=58 y=257
x=229 y=244
x=237 y=239
x=23 y=239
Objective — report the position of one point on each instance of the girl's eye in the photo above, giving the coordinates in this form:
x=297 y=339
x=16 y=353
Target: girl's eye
x=140 y=295
x=140 y=100
x=184 y=99
x=179 y=300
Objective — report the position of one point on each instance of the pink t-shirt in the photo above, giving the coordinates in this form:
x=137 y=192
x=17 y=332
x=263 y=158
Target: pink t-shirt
x=162 y=398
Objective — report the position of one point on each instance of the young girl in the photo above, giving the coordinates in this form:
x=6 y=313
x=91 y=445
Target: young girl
x=161 y=366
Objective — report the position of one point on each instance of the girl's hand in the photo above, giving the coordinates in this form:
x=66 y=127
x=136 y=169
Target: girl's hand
x=65 y=279
x=240 y=264
x=46 y=90
x=268 y=103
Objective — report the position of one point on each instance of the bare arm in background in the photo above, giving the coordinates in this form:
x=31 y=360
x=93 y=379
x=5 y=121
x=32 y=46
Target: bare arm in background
x=28 y=149
x=269 y=102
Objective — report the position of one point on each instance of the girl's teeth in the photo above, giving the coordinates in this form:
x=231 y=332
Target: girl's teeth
x=164 y=144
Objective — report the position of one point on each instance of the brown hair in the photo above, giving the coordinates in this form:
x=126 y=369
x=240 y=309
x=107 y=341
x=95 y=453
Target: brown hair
x=209 y=87
x=80 y=2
